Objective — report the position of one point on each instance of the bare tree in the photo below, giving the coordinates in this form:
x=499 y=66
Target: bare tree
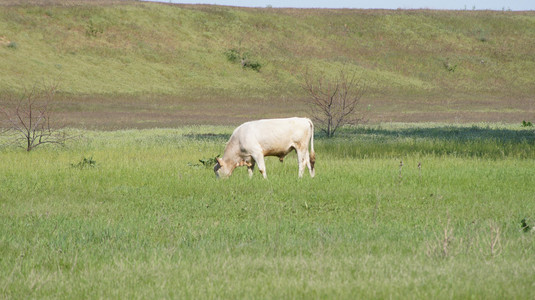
x=29 y=118
x=334 y=102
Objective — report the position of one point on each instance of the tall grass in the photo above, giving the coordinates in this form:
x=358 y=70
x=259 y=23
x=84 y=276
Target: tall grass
x=149 y=220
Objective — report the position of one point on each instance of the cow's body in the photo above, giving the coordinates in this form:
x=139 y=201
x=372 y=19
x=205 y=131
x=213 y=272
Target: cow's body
x=251 y=141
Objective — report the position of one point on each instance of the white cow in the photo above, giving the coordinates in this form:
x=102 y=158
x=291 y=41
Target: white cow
x=251 y=141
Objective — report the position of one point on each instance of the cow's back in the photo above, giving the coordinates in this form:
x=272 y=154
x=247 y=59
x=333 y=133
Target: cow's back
x=269 y=131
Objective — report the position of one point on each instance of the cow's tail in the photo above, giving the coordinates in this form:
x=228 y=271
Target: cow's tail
x=312 y=153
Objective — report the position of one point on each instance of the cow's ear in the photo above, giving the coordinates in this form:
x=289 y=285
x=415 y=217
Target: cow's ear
x=219 y=161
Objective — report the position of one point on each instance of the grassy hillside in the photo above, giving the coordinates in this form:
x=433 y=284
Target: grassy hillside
x=144 y=54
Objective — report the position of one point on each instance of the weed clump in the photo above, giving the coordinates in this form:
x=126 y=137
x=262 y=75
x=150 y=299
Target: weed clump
x=205 y=162
x=209 y=162
x=93 y=30
x=525 y=226
x=527 y=123
x=85 y=163
x=449 y=66
x=232 y=55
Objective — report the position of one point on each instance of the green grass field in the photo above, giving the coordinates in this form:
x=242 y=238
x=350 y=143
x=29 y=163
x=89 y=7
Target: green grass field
x=148 y=220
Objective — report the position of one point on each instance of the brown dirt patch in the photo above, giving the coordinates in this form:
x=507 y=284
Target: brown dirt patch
x=109 y=113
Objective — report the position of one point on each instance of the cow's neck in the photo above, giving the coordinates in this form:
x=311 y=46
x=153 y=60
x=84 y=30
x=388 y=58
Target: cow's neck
x=230 y=156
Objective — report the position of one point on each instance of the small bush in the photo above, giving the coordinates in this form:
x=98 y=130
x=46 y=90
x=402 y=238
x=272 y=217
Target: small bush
x=527 y=124
x=235 y=56
x=232 y=55
x=12 y=45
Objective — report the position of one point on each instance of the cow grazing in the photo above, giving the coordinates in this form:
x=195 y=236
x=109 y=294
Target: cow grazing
x=251 y=141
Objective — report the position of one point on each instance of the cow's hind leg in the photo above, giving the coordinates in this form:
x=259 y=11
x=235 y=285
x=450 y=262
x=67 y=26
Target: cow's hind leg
x=309 y=164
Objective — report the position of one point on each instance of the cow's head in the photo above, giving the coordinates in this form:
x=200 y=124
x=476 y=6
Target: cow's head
x=222 y=169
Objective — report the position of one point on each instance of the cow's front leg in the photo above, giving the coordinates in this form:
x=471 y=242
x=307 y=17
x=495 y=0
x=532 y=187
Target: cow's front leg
x=250 y=169
x=259 y=159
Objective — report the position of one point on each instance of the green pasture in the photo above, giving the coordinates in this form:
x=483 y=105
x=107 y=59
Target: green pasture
x=426 y=211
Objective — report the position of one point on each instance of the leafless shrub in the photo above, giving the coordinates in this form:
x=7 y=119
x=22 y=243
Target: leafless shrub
x=494 y=240
x=400 y=171
x=28 y=120
x=448 y=237
x=441 y=247
x=334 y=102
x=479 y=243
